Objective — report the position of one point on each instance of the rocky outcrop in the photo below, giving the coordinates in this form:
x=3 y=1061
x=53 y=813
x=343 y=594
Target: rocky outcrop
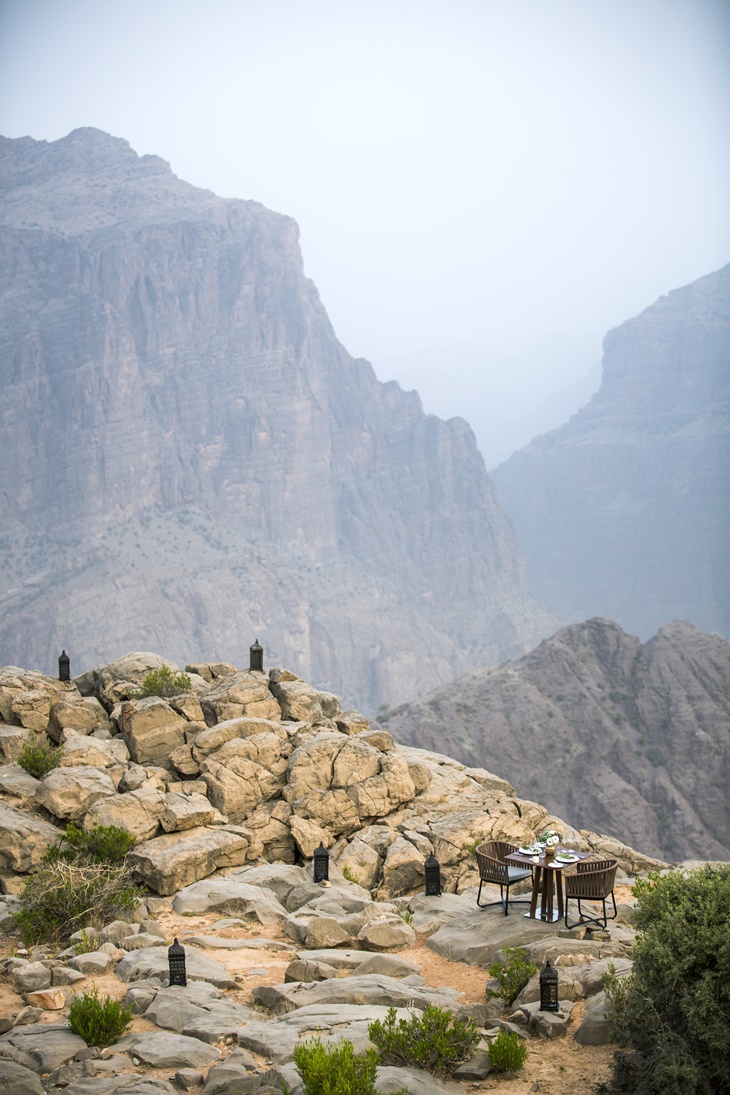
x=624 y=511
x=269 y=789
x=623 y=737
x=171 y=380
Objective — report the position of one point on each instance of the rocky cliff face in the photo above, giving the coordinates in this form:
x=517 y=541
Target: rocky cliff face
x=193 y=460
x=622 y=737
x=625 y=511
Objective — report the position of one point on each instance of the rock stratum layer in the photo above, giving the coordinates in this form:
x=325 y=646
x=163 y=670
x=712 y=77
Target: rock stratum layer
x=620 y=736
x=194 y=460
x=624 y=512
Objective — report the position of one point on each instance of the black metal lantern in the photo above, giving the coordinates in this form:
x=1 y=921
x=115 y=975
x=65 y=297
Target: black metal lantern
x=64 y=667
x=433 y=876
x=321 y=864
x=256 y=656
x=549 y=988
x=176 y=961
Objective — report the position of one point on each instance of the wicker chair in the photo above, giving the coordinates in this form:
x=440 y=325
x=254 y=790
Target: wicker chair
x=493 y=869
x=594 y=882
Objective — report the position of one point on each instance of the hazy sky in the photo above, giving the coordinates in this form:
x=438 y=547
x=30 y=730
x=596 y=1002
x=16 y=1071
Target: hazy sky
x=475 y=180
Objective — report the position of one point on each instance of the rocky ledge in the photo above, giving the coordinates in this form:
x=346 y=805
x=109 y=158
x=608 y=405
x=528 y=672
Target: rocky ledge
x=229 y=788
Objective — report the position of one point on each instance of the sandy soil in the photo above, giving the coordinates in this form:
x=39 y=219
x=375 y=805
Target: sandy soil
x=560 y=1067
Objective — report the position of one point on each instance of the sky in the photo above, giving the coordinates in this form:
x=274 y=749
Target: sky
x=483 y=187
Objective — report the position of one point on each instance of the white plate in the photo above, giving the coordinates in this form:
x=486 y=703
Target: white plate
x=567 y=858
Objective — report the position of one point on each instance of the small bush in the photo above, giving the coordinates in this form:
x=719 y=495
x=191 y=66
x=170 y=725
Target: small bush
x=348 y=875
x=163 y=682
x=85 y=944
x=39 y=756
x=334 y=1069
x=512 y=975
x=671 y=1015
x=507 y=1053
x=436 y=1041
x=98 y=1022
x=107 y=844
x=61 y=896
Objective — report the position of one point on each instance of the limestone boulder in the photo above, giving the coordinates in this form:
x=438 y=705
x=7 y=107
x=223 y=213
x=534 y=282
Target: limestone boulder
x=383 y=934
x=16 y=1079
x=453 y=834
x=355 y=762
x=31 y=709
x=300 y=702
x=596 y=1028
x=151 y=729
x=403 y=869
x=71 y=711
x=243 y=693
x=311 y=766
x=68 y=793
x=361 y=861
x=380 y=795
x=80 y=751
x=184 y=812
x=120 y=680
x=214 y=737
x=17 y=785
x=308 y=835
x=167 y=863
x=233 y=895
x=13 y=740
x=420 y=775
x=183 y=762
x=235 y=794
x=269 y=826
x=211 y=671
x=352 y=722
x=24 y=839
x=139 y=812
x=331 y=810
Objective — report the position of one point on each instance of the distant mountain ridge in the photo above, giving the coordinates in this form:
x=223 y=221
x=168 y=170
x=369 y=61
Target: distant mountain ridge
x=193 y=460
x=624 y=511
x=623 y=737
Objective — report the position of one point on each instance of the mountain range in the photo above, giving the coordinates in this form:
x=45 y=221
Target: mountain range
x=193 y=461
x=623 y=737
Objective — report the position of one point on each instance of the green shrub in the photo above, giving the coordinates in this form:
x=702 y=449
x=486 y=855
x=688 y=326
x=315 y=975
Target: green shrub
x=334 y=1069
x=507 y=1053
x=348 y=875
x=39 y=756
x=436 y=1041
x=671 y=1016
x=98 y=1022
x=85 y=944
x=512 y=975
x=163 y=682
x=61 y=897
x=107 y=844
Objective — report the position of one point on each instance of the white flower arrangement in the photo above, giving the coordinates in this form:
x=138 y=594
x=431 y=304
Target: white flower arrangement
x=549 y=838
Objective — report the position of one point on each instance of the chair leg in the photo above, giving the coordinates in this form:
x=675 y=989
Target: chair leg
x=584 y=919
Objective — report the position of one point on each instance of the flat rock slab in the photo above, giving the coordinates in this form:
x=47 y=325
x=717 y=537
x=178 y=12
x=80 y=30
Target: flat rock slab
x=392 y=965
x=415 y=1080
x=368 y=989
x=216 y=942
x=474 y=938
x=229 y=895
x=429 y=913
x=46 y=1046
x=17 y=1080
x=277 y=1038
x=126 y=1084
x=160 y=1049
x=153 y=962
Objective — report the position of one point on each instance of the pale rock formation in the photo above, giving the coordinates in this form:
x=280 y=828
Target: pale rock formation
x=69 y=792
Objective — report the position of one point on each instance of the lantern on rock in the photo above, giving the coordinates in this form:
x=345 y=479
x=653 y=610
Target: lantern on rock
x=64 y=666
x=256 y=656
x=432 y=869
x=176 y=962
x=549 y=988
x=321 y=864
